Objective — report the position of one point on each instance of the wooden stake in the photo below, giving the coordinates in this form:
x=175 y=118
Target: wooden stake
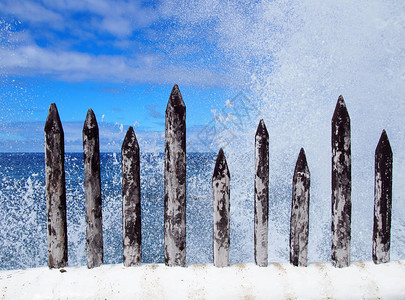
x=382 y=200
x=55 y=190
x=299 y=224
x=221 y=205
x=175 y=181
x=341 y=185
x=261 y=195
x=131 y=200
x=92 y=185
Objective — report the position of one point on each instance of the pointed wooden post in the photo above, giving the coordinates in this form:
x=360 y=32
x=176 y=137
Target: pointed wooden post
x=341 y=185
x=299 y=223
x=261 y=194
x=55 y=190
x=175 y=181
x=92 y=185
x=382 y=200
x=221 y=205
x=131 y=200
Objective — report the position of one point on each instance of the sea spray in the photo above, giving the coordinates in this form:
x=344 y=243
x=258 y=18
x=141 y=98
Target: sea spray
x=300 y=56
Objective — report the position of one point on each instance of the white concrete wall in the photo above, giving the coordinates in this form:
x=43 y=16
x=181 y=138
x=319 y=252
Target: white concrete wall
x=362 y=280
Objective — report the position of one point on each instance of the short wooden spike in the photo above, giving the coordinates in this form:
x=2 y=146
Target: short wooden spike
x=341 y=185
x=382 y=200
x=221 y=206
x=55 y=190
x=131 y=200
x=299 y=223
x=92 y=186
x=261 y=195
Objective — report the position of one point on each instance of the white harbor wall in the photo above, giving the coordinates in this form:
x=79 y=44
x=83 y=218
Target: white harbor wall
x=362 y=280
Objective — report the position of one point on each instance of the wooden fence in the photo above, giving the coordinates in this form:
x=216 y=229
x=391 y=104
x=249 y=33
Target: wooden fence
x=175 y=194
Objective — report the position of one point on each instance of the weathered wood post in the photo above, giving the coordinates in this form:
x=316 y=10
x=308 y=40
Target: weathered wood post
x=131 y=200
x=341 y=185
x=221 y=205
x=55 y=190
x=299 y=223
x=382 y=200
x=92 y=185
x=175 y=181
x=261 y=195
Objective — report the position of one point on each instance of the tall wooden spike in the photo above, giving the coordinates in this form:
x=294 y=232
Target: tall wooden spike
x=299 y=224
x=131 y=200
x=175 y=181
x=92 y=185
x=221 y=205
x=261 y=195
x=341 y=185
x=382 y=200
x=55 y=190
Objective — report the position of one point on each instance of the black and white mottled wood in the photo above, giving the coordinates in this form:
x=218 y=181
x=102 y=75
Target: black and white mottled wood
x=341 y=186
x=221 y=205
x=55 y=190
x=92 y=185
x=175 y=181
x=299 y=223
x=131 y=200
x=261 y=195
x=382 y=200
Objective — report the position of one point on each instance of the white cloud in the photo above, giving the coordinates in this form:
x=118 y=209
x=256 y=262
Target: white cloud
x=52 y=43
x=119 y=18
x=76 y=66
x=31 y=11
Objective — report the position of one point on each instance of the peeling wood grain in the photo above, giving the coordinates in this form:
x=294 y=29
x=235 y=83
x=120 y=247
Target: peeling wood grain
x=175 y=181
x=55 y=190
x=92 y=185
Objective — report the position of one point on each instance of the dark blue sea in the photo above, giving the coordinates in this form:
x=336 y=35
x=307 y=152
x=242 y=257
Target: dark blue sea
x=23 y=208
x=23 y=240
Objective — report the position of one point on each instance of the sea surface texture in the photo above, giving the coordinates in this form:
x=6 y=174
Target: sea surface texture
x=23 y=213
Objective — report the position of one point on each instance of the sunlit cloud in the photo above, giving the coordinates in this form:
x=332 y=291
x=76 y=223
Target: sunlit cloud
x=76 y=66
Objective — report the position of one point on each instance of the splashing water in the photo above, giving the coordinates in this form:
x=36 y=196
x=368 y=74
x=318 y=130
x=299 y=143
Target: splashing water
x=293 y=59
x=305 y=54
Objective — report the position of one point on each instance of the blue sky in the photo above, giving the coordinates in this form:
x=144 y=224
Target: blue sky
x=121 y=58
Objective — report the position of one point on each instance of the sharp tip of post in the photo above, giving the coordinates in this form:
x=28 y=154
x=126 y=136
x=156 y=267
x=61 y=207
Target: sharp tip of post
x=384 y=142
x=302 y=165
x=384 y=136
x=53 y=116
x=130 y=140
x=302 y=156
x=176 y=98
x=131 y=133
x=52 y=107
x=340 y=108
x=221 y=155
x=262 y=129
x=221 y=166
x=91 y=121
x=90 y=112
x=340 y=102
x=53 y=110
x=90 y=115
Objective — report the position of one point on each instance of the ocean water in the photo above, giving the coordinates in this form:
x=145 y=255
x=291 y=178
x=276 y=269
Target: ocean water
x=23 y=214
x=23 y=208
